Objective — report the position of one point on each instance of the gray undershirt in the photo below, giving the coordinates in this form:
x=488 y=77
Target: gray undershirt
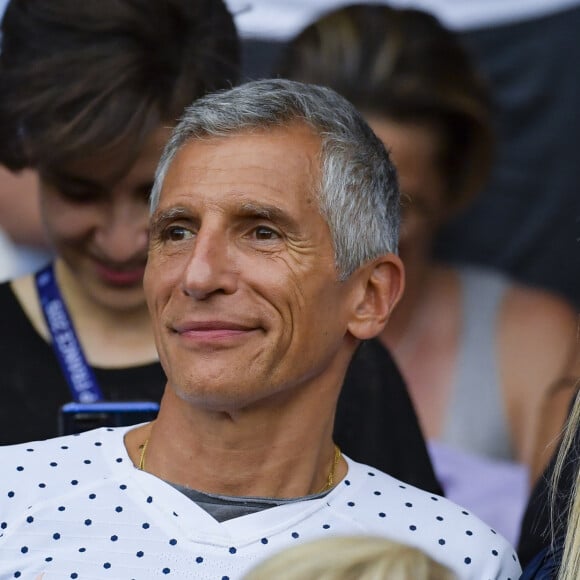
x=226 y=507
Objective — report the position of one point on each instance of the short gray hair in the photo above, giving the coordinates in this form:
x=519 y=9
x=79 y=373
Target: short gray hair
x=358 y=194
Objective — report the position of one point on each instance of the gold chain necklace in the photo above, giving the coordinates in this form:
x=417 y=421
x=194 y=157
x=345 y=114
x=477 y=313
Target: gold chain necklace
x=329 y=480
x=142 y=456
x=332 y=473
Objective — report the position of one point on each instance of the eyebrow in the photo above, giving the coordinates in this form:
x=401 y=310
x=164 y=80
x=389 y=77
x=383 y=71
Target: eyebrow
x=171 y=213
x=159 y=219
x=269 y=212
x=248 y=210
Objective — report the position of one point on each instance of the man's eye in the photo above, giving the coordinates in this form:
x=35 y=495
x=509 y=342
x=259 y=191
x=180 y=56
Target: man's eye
x=177 y=233
x=265 y=233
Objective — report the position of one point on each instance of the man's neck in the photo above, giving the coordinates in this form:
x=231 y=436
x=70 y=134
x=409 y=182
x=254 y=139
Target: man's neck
x=254 y=452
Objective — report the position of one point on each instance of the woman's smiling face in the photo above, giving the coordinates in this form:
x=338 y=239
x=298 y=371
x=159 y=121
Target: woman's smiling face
x=99 y=225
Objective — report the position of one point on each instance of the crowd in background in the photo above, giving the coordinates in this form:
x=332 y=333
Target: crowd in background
x=478 y=365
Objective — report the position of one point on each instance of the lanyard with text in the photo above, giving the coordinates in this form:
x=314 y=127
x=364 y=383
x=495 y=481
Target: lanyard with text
x=79 y=375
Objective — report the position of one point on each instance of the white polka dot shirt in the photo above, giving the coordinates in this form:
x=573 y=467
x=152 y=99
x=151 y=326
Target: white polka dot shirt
x=76 y=507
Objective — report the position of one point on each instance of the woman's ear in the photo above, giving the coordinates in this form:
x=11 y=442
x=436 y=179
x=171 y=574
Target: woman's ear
x=379 y=287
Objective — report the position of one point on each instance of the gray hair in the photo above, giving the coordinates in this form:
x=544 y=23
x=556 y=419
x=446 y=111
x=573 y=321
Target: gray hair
x=358 y=195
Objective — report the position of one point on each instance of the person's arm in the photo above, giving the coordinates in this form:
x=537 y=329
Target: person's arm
x=20 y=208
x=553 y=415
x=540 y=363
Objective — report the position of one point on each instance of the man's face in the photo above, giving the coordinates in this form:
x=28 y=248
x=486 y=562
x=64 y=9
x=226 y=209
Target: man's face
x=241 y=280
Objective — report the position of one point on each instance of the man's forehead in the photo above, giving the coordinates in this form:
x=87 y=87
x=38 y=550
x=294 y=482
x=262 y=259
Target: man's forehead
x=285 y=158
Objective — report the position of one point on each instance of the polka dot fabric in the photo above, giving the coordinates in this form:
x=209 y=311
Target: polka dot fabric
x=76 y=507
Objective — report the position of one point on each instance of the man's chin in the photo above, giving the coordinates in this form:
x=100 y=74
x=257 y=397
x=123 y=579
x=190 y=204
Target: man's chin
x=227 y=397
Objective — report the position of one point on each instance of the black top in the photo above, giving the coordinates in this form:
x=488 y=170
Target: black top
x=376 y=423
x=33 y=388
x=546 y=564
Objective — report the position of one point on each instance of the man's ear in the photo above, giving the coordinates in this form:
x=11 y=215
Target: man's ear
x=378 y=288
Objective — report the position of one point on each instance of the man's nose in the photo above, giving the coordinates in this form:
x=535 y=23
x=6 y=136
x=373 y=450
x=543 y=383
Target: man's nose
x=123 y=233
x=211 y=268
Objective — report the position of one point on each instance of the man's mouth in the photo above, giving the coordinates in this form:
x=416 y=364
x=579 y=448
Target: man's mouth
x=212 y=330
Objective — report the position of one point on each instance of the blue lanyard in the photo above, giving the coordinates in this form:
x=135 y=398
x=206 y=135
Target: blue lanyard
x=79 y=375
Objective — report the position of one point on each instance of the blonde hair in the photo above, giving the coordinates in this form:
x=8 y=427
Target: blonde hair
x=351 y=558
x=570 y=566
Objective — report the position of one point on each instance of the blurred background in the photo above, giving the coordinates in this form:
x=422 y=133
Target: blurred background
x=527 y=221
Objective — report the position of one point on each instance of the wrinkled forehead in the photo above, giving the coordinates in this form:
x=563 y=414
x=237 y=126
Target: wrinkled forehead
x=293 y=151
x=276 y=170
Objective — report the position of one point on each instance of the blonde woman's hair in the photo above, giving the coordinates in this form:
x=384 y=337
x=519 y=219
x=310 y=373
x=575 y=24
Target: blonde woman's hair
x=570 y=567
x=351 y=558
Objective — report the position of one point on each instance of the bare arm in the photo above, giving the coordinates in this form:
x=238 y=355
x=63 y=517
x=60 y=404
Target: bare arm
x=553 y=415
x=539 y=365
x=20 y=208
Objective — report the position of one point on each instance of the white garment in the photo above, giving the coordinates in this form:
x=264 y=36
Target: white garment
x=18 y=260
x=76 y=507
x=283 y=19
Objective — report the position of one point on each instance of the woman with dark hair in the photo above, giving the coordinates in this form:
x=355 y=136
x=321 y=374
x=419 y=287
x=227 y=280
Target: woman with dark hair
x=88 y=94
x=477 y=351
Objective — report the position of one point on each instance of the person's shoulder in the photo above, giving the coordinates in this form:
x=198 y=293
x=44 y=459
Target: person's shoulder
x=371 y=482
x=527 y=304
x=534 y=324
x=539 y=330
x=7 y=293
x=450 y=533
x=36 y=449
x=519 y=298
x=22 y=293
x=38 y=470
x=21 y=313
x=485 y=280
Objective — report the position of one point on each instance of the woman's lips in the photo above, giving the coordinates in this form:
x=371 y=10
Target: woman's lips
x=121 y=277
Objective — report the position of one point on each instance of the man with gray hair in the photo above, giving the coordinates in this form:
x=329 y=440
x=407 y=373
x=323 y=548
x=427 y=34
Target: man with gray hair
x=272 y=256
